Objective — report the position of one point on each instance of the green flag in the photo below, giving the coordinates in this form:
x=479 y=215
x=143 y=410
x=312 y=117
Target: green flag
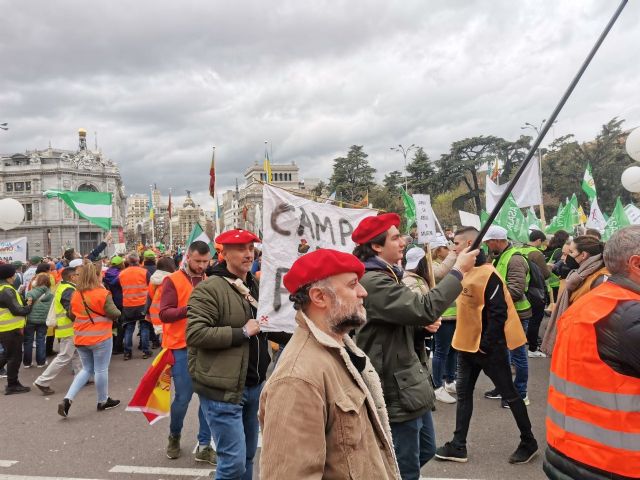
x=574 y=211
x=567 y=218
x=617 y=220
x=510 y=217
x=588 y=184
x=409 y=208
x=484 y=216
x=533 y=220
x=93 y=206
x=197 y=233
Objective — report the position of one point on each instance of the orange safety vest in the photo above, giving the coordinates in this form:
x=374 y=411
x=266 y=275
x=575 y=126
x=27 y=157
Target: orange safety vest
x=90 y=327
x=174 y=335
x=134 y=286
x=593 y=412
x=155 y=292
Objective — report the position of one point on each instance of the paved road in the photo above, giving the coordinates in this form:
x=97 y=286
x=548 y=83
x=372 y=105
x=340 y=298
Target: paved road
x=113 y=444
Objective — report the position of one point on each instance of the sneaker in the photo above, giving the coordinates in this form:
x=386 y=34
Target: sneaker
x=63 y=408
x=43 y=365
x=146 y=355
x=44 y=390
x=505 y=404
x=26 y=366
x=525 y=452
x=206 y=453
x=537 y=354
x=492 y=394
x=3 y=373
x=109 y=404
x=443 y=396
x=450 y=387
x=173 y=449
x=451 y=453
x=15 y=389
x=127 y=356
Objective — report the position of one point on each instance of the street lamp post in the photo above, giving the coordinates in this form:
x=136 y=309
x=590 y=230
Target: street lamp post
x=404 y=152
x=526 y=126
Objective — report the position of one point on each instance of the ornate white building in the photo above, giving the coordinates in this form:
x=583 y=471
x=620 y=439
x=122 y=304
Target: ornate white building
x=49 y=224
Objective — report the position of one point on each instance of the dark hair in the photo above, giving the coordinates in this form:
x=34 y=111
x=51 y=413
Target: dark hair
x=463 y=230
x=365 y=251
x=199 y=246
x=594 y=233
x=558 y=240
x=43 y=267
x=67 y=272
x=537 y=235
x=589 y=244
x=301 y=298
x=166 y=264
x=423 y=269
x=69 y=254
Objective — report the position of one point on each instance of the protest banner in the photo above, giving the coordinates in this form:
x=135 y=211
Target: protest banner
x=425 y=218
x=13 y=250
x=287 y=219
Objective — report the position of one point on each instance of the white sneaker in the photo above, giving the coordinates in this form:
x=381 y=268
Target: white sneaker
x=537 y=354
x=450 y=387
x=443 y=396
x=526 y=400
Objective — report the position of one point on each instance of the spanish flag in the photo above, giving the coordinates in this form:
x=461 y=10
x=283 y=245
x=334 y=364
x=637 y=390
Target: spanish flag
x=153 y=395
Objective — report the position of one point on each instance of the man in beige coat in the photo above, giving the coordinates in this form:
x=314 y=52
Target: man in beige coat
x=322 y=412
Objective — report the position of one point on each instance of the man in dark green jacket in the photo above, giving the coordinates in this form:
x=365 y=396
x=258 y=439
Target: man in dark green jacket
x=393 y=337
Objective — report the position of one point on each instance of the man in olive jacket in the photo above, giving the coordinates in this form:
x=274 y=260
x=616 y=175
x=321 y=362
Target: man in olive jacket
x=393 y=337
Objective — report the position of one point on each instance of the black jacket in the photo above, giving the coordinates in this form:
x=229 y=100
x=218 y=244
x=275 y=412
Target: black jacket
x=8 y=300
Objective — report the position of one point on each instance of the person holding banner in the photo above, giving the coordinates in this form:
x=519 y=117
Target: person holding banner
x=322 y=411
x=393 y=337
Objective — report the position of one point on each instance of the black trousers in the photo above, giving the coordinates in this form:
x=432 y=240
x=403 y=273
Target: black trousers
x=496 y=366
x=12 y=356
x=533 y=328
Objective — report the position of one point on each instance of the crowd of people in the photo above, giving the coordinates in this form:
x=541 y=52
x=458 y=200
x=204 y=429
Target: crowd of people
x=355 y=386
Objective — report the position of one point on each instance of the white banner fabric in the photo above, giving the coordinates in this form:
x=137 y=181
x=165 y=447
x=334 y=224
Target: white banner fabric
x=13 y=250
x=287 y=219
x=633 y=214
x=469 y=219
x=527 y=191
x=425 y=218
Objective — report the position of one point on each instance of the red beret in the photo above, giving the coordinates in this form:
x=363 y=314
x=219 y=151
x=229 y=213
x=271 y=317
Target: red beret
x=318 y=265
x=236 y=236
x=373 y=226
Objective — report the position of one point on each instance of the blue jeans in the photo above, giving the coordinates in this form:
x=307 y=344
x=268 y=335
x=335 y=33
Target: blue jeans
x=40 y=333
x=444 y=356
x=235 y=431
x=129 y=328
x=414 y=442
x=95 y=362
x=519 y=358
x=183 y=392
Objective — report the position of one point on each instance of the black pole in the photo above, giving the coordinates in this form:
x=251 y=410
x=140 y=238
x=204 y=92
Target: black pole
x=547 y=125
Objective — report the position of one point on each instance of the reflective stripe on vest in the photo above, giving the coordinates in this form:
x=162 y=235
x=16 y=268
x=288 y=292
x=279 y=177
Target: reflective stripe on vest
x=64 y=325
x=94 y=328
x=9 y=321
x=133 y=281
x=593 y=414
x=502 y=267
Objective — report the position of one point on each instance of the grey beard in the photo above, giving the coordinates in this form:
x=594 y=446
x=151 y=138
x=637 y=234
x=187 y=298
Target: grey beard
x=346 y=324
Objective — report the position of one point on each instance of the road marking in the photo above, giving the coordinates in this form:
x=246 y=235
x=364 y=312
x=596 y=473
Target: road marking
x=34 y=477
x=438 y=478
x=8 y=463
x=185 y=472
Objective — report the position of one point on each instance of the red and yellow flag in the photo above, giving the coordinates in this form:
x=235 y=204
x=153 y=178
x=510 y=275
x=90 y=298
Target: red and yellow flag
x=153 y=395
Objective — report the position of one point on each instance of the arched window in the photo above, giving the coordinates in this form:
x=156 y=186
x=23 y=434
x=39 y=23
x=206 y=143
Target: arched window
x=87 y=187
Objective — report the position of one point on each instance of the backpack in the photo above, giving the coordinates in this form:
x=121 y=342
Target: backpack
x=536 y=293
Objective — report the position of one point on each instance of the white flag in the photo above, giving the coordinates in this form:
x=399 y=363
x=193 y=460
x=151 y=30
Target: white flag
x=596 y=218
x=527 y=191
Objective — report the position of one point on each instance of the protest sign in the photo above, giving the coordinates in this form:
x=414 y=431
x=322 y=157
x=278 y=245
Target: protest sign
x=13 y=250
x=288 y=219
x=425 y=218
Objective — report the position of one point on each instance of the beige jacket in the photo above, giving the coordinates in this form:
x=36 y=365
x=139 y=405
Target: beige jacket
x=320 y=417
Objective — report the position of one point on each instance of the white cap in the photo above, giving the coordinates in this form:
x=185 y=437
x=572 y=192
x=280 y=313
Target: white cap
x=439 y=241
x=414 y=255
x=76 y=262
x=495 y=232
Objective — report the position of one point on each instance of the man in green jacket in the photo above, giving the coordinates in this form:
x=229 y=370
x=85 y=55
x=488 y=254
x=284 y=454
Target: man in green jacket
x=393 y=337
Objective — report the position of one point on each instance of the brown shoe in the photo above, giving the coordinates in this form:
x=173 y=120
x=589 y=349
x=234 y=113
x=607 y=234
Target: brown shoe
x=44 y=390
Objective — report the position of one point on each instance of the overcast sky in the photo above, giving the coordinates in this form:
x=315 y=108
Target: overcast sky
x=162 y=82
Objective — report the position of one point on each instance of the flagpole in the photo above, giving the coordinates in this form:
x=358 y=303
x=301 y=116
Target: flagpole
x=170 y=225
x=153 y=221
x=547 y=126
